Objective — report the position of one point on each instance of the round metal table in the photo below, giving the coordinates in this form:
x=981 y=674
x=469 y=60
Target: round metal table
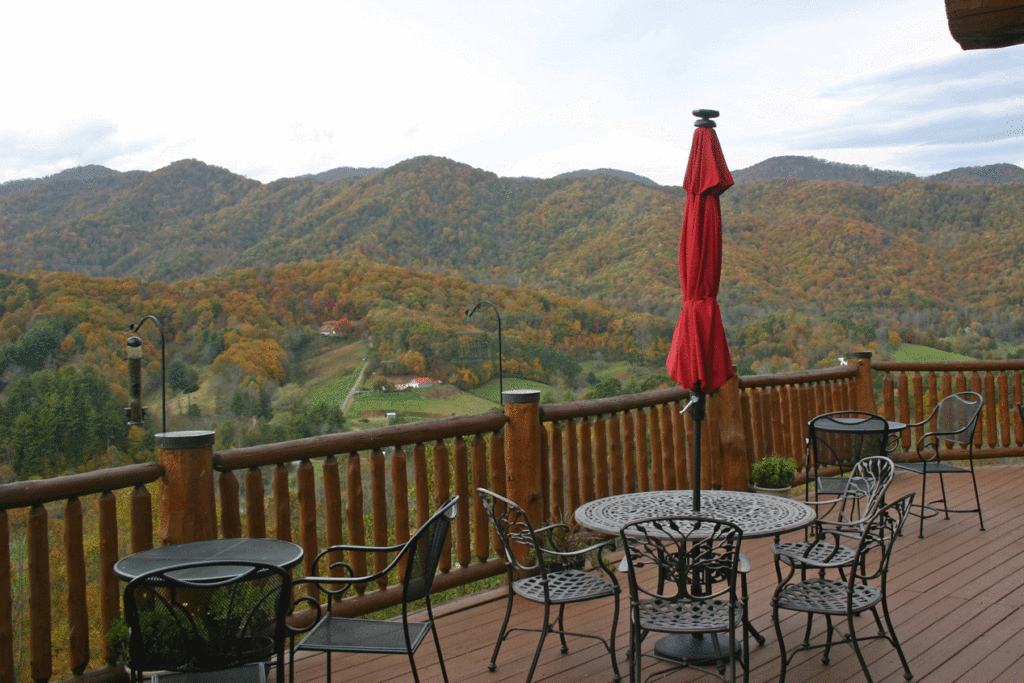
x=849 y=425
x=269 y=551
x=757 y=514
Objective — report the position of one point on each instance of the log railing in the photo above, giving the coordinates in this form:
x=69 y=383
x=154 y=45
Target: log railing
x=39 y=591
x=378 y=485
x=911 y=390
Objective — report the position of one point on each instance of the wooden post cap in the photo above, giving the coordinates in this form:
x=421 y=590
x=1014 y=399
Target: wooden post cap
x=179 y=441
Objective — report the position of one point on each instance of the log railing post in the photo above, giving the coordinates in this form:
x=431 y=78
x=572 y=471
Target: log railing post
x=523 y=481
x=187 y=502
x=732 y=439
x=864 y=389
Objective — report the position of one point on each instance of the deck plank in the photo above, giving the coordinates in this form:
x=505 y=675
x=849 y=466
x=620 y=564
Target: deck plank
x=955 y=598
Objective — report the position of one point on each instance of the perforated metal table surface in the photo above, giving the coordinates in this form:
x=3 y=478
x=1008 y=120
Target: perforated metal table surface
x=267 y=550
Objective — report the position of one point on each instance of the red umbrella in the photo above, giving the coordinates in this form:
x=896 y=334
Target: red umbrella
x=699 y=359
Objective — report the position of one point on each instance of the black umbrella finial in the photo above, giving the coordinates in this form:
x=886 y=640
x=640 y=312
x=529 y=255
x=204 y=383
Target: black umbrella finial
x=704 y=118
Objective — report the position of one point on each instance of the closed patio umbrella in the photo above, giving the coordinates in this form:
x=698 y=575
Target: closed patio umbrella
x=699 y=358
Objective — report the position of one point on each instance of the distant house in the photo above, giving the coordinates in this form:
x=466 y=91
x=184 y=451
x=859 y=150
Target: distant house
x=418 y=383
x=335 y=328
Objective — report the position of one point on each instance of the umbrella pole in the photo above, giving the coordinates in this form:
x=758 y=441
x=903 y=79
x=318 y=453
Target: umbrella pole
x=696 y=408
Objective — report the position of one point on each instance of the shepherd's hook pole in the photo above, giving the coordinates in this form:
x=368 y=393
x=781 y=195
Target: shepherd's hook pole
x=501 y=382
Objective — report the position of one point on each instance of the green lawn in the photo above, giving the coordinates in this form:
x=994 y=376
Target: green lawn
x=915 y=353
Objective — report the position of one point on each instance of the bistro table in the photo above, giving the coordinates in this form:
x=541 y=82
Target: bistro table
x=756 y=514
x=267 y=550
x=852 y=425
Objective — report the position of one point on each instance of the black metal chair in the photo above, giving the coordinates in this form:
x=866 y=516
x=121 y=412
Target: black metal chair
x=683 y=576
x=839 y=440
x=548 y=573
x=953 y=420
x=417 y=560
x=841 y=518
x=862 y=588
x=206 y=616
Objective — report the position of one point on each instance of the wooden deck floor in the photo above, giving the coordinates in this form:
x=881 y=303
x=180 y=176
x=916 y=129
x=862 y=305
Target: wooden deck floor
x=956 y=598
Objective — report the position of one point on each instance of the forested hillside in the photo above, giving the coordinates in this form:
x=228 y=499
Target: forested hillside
x=917 y=259
x=244 y=335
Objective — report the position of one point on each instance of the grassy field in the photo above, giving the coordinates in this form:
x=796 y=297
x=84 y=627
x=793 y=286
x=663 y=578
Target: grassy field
x=371 y=409
x=491 y=390
x=914 y=353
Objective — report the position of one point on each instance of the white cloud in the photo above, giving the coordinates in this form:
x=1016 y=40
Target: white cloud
x=527 y=88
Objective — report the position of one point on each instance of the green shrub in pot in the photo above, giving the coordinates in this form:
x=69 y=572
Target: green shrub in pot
x=773 y=472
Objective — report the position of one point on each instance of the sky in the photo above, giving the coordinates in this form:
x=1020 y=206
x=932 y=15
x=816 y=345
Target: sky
x=524 y=88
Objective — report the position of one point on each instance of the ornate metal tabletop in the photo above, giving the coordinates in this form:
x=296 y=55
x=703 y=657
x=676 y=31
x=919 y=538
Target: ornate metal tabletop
x=756 y=514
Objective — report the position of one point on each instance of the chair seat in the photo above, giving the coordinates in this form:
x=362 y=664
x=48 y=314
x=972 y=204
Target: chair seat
x=819 y=552
x=824 y=596
x=336 y=634
x=686 y=617
x=833 y=486
x=932 y=468
x=571 y=585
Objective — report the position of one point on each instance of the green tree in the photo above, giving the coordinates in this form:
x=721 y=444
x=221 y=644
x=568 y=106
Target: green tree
x=181 y=377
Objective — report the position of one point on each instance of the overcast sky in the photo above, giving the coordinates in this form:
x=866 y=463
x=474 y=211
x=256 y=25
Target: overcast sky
x=517 y=87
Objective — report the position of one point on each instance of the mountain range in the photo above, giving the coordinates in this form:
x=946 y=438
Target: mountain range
x=915 y=254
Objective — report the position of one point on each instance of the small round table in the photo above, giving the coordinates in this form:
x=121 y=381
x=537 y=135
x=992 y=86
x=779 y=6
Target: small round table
x=850 y=425
x=269 y=551
x=758 y=515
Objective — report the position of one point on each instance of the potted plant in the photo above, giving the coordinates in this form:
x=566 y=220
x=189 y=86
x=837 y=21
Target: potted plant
x=773 y=475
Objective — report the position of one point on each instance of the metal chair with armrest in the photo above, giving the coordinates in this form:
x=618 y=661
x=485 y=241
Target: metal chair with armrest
x=417 y=559
x=955 y=419
x=542 y=570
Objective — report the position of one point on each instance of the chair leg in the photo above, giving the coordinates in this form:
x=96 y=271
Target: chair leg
x=782 y=643
x=611 y=641
x=828 y=639
x=945 y=500
x=895 y=641
x=977 y=498
x=856 y=648
x=502 y=634
x=924 y=488
x=437 y=644
x=561 y=628
x=540 y=644
x=748 y=628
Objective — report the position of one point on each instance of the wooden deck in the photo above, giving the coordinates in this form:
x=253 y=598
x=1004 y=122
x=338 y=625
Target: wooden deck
x=956 y=599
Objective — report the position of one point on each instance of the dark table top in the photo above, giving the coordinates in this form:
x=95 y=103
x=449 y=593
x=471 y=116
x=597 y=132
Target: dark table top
x=855 y=424
x=269 y=551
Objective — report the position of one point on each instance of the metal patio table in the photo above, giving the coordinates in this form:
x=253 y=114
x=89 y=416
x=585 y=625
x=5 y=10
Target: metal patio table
x=850 y=425
x=757 y=514
x=267 y=550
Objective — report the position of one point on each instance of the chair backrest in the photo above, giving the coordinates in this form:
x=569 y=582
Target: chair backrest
x=206 y=616
x=515 y=532
x=956 y=416
x=842 y=438
x=424 y=549
x=865 y=488
x=697 y=558
x=874 y=551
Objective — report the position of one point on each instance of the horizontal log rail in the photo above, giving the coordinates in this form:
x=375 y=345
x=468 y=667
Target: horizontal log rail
x=376 y=486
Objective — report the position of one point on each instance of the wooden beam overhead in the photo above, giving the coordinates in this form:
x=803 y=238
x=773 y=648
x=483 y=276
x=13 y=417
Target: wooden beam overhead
x=982 y=24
